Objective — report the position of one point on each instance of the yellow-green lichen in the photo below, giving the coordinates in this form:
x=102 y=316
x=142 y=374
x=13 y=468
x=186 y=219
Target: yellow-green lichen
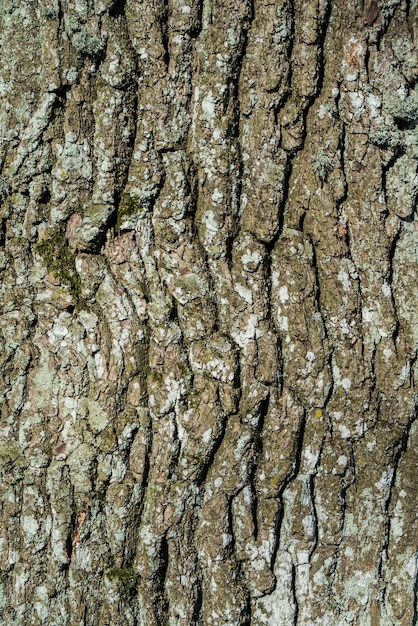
x=88 y=44
x=96 y=212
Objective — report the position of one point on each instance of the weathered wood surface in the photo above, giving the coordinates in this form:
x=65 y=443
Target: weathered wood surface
x=209 y=332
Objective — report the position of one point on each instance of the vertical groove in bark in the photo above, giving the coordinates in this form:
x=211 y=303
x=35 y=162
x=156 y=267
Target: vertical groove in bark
x=208 y=312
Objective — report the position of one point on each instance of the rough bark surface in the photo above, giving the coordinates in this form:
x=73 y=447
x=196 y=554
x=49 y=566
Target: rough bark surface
x=209 y=335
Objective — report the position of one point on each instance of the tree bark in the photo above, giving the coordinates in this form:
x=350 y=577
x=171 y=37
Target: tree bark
x=209 y=336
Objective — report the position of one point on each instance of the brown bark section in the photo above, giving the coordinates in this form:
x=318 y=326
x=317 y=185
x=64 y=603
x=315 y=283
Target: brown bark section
x=209 y=255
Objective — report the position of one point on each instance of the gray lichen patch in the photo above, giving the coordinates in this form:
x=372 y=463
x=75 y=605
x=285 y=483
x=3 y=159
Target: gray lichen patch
x=87 y=44
x=386 y=137
x=405 y=112
x=321 y=164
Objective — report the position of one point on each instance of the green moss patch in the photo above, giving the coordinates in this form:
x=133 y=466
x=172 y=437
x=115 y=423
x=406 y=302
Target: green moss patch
x=127 y=206
x=11 y=453
x=124 y=579
x=59 y=259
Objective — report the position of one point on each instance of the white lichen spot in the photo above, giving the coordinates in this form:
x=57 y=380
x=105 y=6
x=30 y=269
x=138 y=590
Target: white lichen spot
x=344 y=278
x=412 y=567
x=374 y=104
x=308 y=523
x=344 y=431
x=385 y=481
x=310 y=459
x=397 y=522
x=207 y=436
x=83 y=557
x=345 y=329
x=283 y=294
x=245 y=294
x=209 y=220
x=346 y=384
x=349 y=552
x=251 y=260
x=302 y=557
x=208 y=106
x=386 y=290
x=4 y=87
x=245 y=336
x=282 y=322
x=322 y=112
x=242 y=444
x=357 y=102
x=367 y=315
x=387 y=353
x=99 y=365
x=358 y=586
x=30 y=526
x=405 y=373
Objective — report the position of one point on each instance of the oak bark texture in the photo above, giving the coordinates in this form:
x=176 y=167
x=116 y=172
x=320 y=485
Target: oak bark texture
x=209 y=260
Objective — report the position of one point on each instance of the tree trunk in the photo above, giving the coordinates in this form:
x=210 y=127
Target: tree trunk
x=209 y=335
